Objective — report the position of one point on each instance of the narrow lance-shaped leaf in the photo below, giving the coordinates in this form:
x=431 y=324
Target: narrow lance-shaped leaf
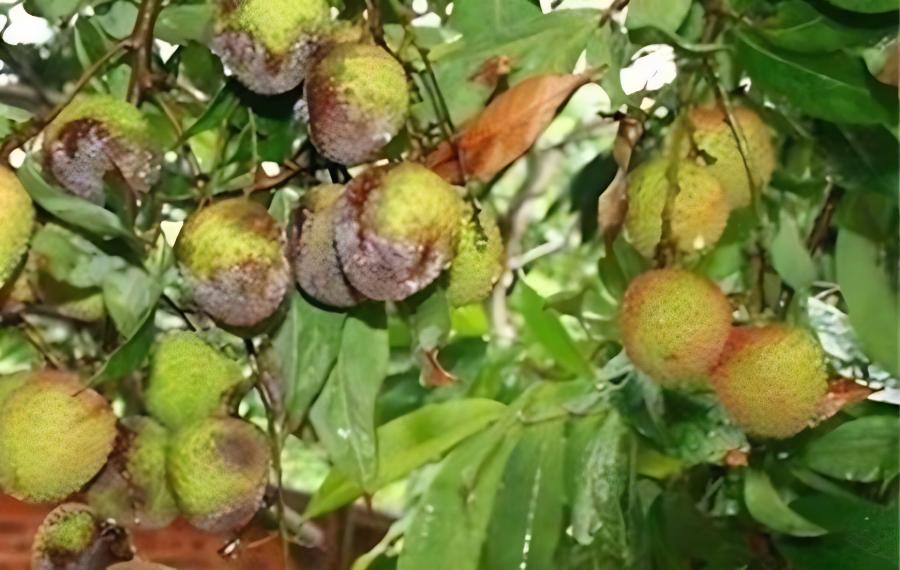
x=767 y=506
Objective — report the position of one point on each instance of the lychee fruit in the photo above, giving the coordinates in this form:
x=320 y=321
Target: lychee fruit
x=55 y=435
x=189 y=380
x=269 y=44
x=218 y=469
x=18 y=223
x=97 y=136
x=674 y=325
x=232 y=254
x=357 y=99
x=73 y=537
x=771 y=379
x=75 y=303
x=396 y=230
x=478 y=259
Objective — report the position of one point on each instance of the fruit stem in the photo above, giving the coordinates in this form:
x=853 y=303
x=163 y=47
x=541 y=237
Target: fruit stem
x=141 y=42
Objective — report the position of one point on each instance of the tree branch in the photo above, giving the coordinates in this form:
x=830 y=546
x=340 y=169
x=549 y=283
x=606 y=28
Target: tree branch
x=141 y=43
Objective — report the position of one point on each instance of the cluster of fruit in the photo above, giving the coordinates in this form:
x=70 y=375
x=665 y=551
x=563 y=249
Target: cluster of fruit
x=677 y=328
x=705 y=174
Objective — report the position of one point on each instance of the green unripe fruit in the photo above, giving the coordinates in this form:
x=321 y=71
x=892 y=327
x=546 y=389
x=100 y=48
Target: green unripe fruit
x=18 y=223
x=96 y=136
x=269 y=44
x=396 y=230
x=85 y=305
x=55 y=435
x=771 y=379
x=73 y=537
x=316 y=265
x=715 y=140
x=133 y=488
x=189 y=380
x=674 y=326
x=232 y=254
x=218 y=469
x=478 y=261
x=699 y=211
x=357 y=100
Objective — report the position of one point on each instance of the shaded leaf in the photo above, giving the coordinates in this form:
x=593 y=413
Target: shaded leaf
x=130 y=355
x=863 y=159
x=484 y=17
x=16 y=353
x=185 y=23
x=546 y=327
x=860 y=450
x=790 y=257
x=798 y=26
x=663 y=14
x=866 y=6
x=769 y=508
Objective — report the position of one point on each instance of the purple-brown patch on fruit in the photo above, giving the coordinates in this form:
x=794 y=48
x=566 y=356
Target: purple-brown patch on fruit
x=244 y=295
x=258 y=68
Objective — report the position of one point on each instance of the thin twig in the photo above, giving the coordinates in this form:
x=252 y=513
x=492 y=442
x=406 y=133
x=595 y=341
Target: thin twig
x=141 y=42
x=193 y=162
x=613 y=9
x=181 y=312
x=373 y=16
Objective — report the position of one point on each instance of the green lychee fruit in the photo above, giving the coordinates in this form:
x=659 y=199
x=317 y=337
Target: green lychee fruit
x=317 y=268
x=133 y=488
x=18 y=223
x=478 y=260
x=76 y=303
x=396 y=230
x=719 y=149
x=55 y=435
x=232 y=254
x=357 y=100
x=699 y=211
x=771 y=379
x=73 y=537
x=269 y=44
x=674 y=325
x=97 y=136
x=189 y=380
x=218 y=469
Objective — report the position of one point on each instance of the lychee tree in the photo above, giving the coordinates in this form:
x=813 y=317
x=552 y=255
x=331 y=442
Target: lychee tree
x=554 y=284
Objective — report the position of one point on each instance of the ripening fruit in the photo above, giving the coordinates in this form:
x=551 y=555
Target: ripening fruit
x=96 y=136
x=189 y=380
x=55 y=435
x=133 y=488
x=715 y=140
x=218 y=469
x=317 y=268
x=73 y=537
x=269 y=44
x=674 y=326
x=478 y=260
x=698 y=215
x=17 y=225
x=357 y=99
x=771 y=379
x=396 y=230
x=232 y=254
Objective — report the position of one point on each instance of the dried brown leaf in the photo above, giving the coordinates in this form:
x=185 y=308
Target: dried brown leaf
x=613 y=202
x=841 y=392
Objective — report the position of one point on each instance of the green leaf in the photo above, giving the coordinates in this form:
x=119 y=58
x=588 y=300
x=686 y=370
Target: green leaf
x=53 y=9
x=799 y=27
x=185 y=23
x=408 y=443
x=863 y=274
x=129 y=295
x=663 y=14
x=16 y=353
x=119 y=20
x=302 y=356
x=474 y=17
x=217 y=113
x=70 y=258
x=836 y=87
x=790 y=257
x=130 y=355
x=700 y=430
x=527 y=518
x=10 y=117
x=344 y=414
x=866 y=6
x=431 y=321
x=545 y=326
x=769 y=508
x=862 y=158
x=860 y=450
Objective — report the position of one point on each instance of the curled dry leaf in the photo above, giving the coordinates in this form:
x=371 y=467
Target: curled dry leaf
x=492 y=70
x=841 y=392
x=433 y=373
x=613 y=204
x=736 y=458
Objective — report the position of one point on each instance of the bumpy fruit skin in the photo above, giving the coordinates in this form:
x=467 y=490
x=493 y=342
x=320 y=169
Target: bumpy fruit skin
x=317 y=268
x=699 y=211
x=715 y=140
x=674 y=326
x=10 y=383
x=218 y=469
x=73 y=537
x=771 y=379
x=133 y=488
x=96 y=136
x=17 y=213
x=232 y=254
x=55 y=435
x=396 y=230
x=269 y=44
x=189 y=380
x=478 y=261
x=357 y=100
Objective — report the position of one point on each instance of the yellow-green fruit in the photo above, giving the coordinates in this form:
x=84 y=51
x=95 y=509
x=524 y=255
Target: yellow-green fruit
x=478 y=261
x=73 y=537
x=96 y=136
x=55 y=435
x=79 y=304
x=699 y=211
x=771 y=379
x=269 y=44
x=189 y=380
x=218 y=469
x=17 y=214
x=357 y=99
x=133 y=488
x=674 y=325
x=232 y=253
x=719 y=148
x=10 y=383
